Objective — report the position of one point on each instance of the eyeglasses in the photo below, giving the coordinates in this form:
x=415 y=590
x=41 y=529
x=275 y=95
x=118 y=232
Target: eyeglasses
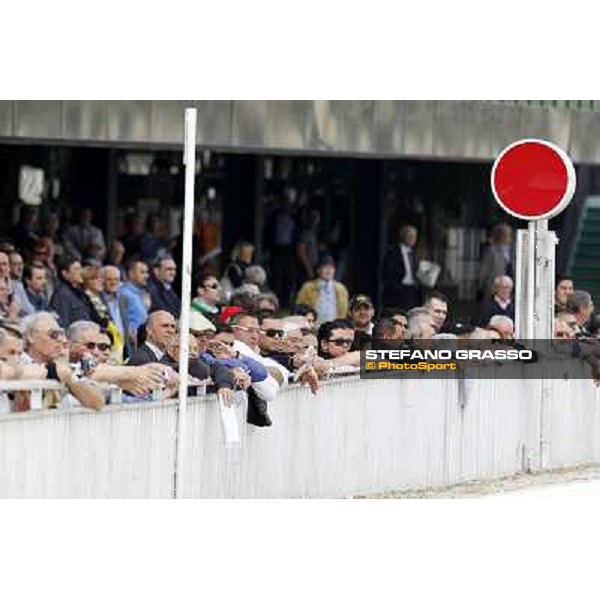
x=274 y=333
x=102 y=346
x=341 y=342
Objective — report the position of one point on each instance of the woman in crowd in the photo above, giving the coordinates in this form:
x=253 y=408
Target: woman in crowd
x=93 y=287
x=241 y=259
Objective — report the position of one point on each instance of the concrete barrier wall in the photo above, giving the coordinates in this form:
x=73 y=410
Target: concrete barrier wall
x=355 y=437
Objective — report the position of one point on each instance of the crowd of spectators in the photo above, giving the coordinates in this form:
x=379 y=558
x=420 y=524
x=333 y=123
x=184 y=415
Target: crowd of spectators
x=93 y=316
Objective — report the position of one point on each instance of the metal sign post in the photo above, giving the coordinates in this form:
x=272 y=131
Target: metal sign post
x=189 y=160
x=529 y=295
x=534 y=180
x=534 y=314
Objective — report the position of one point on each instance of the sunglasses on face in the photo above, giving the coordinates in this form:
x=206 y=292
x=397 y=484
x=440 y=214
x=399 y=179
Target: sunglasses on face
x=102 y=346
x=274 y=333
x=341 y=342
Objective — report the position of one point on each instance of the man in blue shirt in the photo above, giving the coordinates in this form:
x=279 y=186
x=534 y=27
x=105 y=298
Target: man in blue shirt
x=117 y=304
x=136 y=296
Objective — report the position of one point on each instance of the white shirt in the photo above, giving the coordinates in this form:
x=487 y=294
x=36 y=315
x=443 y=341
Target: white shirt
x=408 y=278
x=327 y=301
x=503 y=304
x=245 y=350
x=155 y=350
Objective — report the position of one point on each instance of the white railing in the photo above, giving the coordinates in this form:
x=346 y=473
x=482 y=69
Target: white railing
x=36 y=388
x=355 y=437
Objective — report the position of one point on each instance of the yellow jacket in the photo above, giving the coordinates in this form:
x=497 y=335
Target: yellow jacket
x=309 y=295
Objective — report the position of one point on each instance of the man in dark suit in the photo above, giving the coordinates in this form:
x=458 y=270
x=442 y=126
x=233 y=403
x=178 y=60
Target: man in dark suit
x=400 y=285
x=501 y=303
x=160 y=286
x=69 y=301
x=160 y=330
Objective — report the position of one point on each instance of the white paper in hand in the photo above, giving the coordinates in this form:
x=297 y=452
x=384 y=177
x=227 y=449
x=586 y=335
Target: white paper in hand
x=428 y=273
x=229 y=423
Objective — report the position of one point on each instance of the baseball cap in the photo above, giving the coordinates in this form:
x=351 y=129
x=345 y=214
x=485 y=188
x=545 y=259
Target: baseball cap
x=360 y=300
x=227 y=312
x=199 y=322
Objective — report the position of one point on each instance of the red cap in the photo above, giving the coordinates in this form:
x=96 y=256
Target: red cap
x=227 y=312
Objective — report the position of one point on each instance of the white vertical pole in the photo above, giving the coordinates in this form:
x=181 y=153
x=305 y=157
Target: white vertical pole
x=520 y=284
x=544 y=280
x=189 y=160
x=529 y=318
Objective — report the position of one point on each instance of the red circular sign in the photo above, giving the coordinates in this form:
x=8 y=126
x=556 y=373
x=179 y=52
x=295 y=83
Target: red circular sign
x=533 y=179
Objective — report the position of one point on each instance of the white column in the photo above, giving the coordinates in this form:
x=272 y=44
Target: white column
x=189 y=159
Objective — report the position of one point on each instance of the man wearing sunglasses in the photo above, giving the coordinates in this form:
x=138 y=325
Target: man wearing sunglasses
x=46 y=345
x=261 y=388
x=84 y=341
x=87 y=341
x=216 y=353
x=247 y=333
x=273 y=339
x=208 y=297
x=335 y=339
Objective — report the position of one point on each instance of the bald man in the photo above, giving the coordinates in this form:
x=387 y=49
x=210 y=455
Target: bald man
x=160 y=331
